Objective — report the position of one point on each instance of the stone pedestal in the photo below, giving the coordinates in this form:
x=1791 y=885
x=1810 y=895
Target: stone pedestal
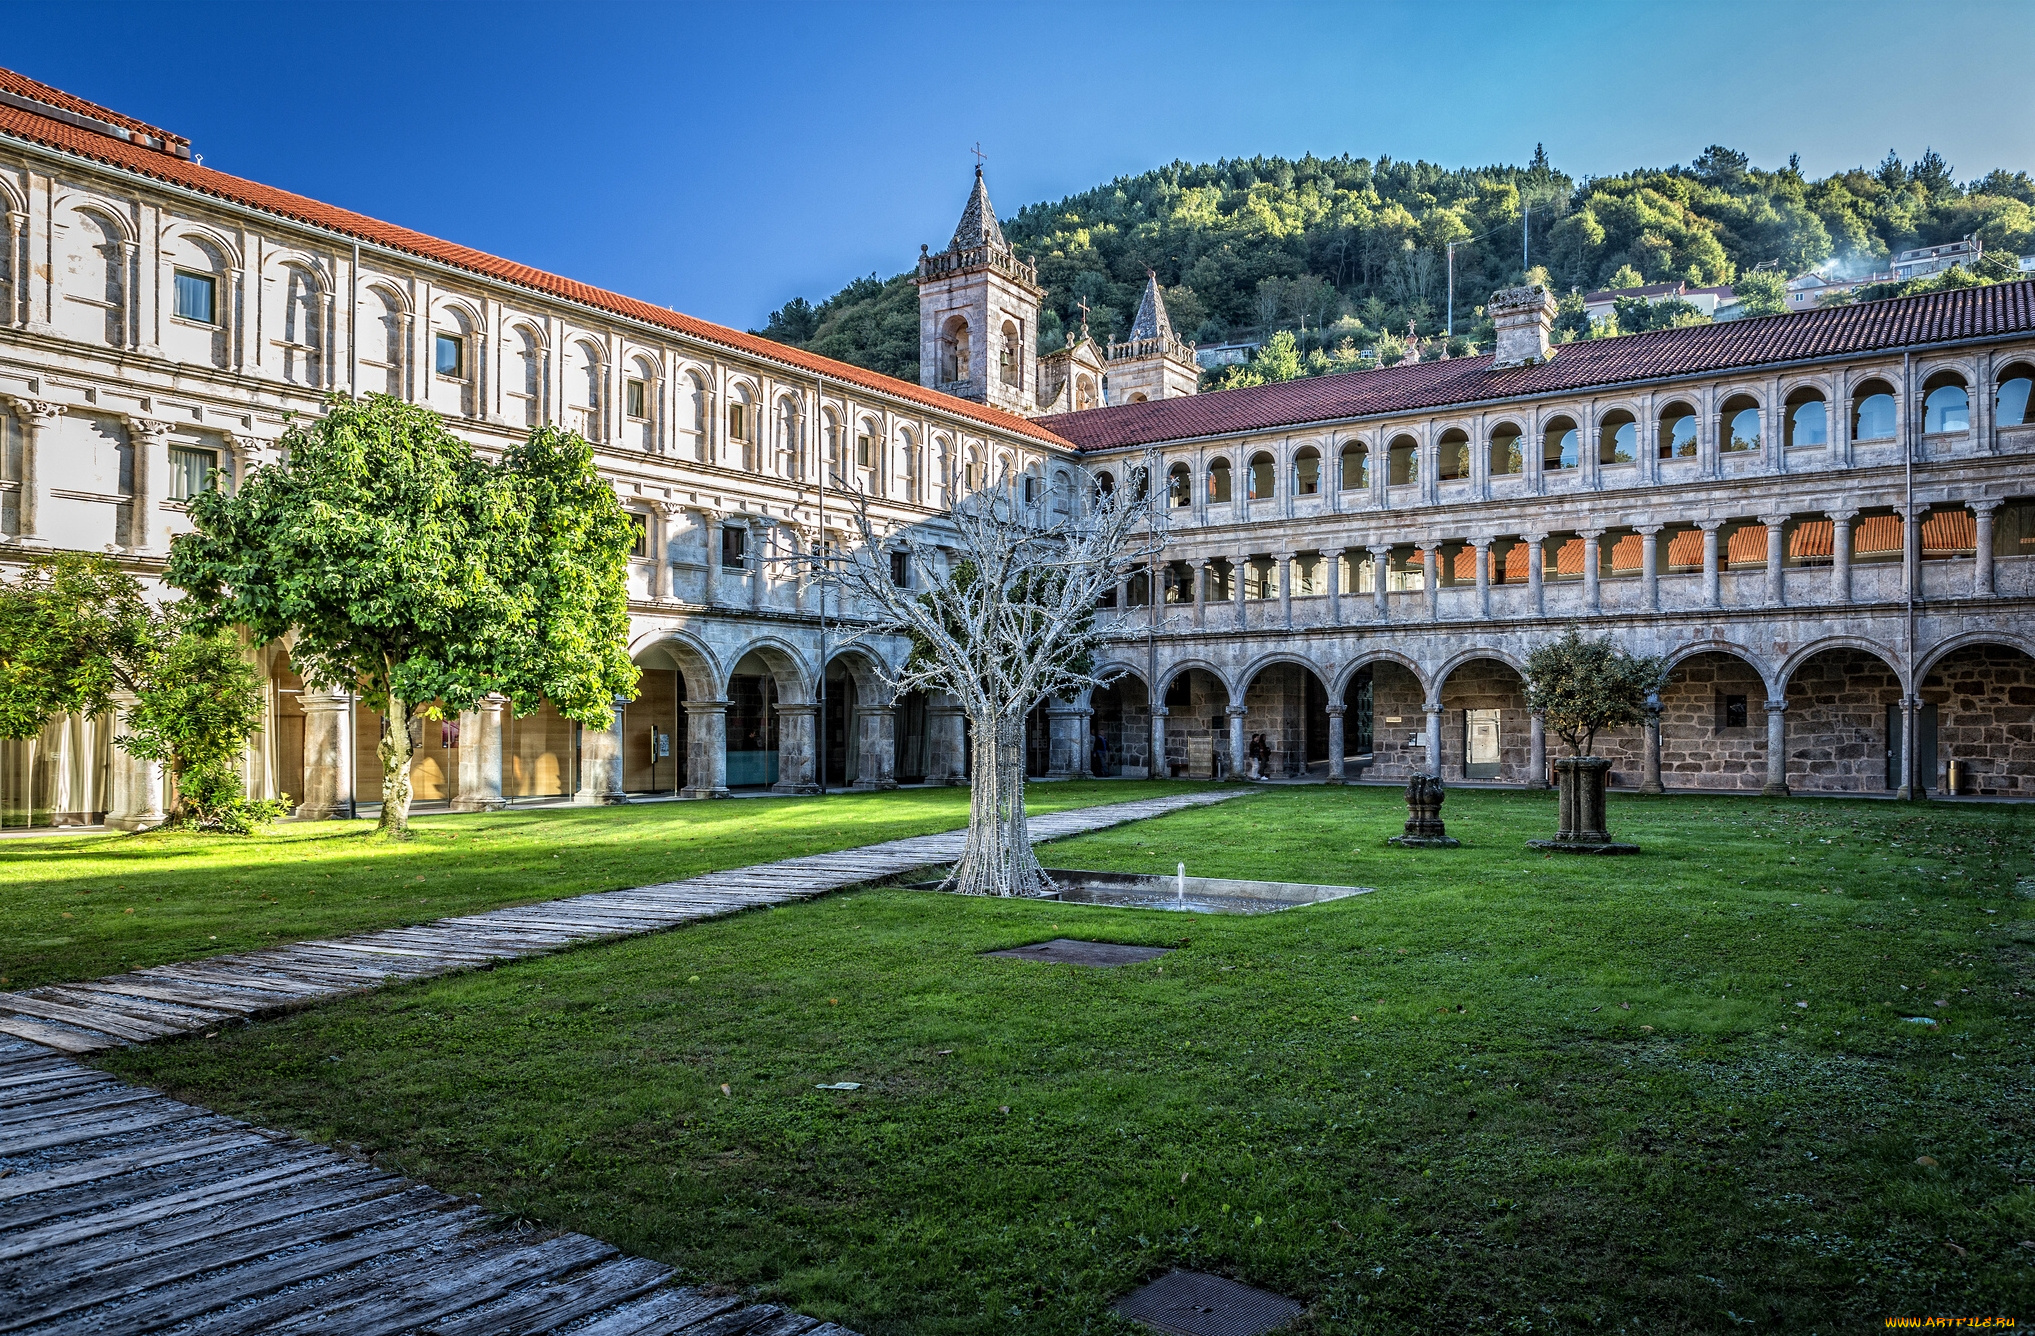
x=1336 y=745
x=875 y=748
x=600 y=763
x=1581 y=781
x=1063 y=740
x=327 y=777
x=946 y=743
x=1424 y=829
x=478 y=787
x=796 y=750
x=706 y=749
x=1650 y=772
x=136 y=802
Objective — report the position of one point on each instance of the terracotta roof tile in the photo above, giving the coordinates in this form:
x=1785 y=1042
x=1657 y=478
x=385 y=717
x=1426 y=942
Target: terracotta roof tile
x=22 y=86
x=2005 y=308
x=163 y=167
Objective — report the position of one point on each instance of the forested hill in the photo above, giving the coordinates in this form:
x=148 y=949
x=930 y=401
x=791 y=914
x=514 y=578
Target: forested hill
x=1349 y=250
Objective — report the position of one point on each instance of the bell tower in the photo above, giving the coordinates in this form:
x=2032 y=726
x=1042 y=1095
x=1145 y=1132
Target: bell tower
x=979 y=314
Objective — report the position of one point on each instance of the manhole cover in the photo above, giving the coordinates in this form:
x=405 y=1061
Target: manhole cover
x=1189 y=1303
x=1070 y=952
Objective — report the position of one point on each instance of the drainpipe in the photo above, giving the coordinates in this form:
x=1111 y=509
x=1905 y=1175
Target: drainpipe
x=1911 y=758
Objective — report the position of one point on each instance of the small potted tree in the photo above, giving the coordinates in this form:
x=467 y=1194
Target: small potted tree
x=1578 y=686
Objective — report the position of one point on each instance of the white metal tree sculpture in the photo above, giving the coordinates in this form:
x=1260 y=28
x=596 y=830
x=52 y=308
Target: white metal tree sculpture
x=1000 y=604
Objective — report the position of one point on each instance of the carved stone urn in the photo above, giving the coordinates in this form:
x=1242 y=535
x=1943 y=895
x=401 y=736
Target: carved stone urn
x=1424 y=830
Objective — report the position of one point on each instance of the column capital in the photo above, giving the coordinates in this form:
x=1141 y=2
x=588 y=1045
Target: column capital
x=1287 y=555
x=1775 y=706
x=1432 y=706
x=1648 y=530
x=1380 y=550
x=1158 y=711
x=1709 y=526
x=1200 y=562
x=1330 y=553
x=668 y=508
x=1591 y=534
x=1984 y=505
x=155 y=429
x=1842 y=516
x=705 y=706
x=1535 y=538
x=1235 y=711
x=1773 y=521
x=1482 y=544
x=36 y=413
x=1336 y=711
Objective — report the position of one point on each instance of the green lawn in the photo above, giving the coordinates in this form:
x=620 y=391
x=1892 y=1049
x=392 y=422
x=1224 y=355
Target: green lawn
x=1507 y=1092
x=86 y=906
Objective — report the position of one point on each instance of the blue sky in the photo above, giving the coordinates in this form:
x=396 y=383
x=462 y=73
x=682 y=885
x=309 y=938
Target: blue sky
x=723 y=158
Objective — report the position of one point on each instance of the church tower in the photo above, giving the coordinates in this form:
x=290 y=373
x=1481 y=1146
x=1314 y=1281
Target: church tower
x=1153 y=363
x=979 y=314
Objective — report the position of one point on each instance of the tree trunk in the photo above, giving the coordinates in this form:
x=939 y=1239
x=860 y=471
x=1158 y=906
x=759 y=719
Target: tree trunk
x=394 y=751
x=997 y=858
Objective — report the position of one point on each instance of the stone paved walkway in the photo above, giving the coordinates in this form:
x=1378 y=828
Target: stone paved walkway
x=124 y=1211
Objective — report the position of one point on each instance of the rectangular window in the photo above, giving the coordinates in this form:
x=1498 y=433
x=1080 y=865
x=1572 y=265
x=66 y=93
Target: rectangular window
x=641 y=524
x=865 y=450
x=194 y=297
x=637 y=399
x=734 y=544
x=452 y=356
x=191 y=472
x=738 y=421
x=1730 y=712
x=900 y=569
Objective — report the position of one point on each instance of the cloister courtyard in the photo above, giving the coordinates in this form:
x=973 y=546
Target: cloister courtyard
x=1772 y=1074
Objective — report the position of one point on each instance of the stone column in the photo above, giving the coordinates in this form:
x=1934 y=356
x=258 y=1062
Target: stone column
x=136 y=801
x=1433 y=709
x=151 y=442
x=1982 y=555
x=796 y=752
x=1483 y=549
x=759 y=534
x=660 y=550
x=600 y=763
x=1776 y=749
x=1381 y=568
x=1332 y=560
x=1336 y=745
x=1285 y=560
x=478 y=787
x=706 y=749
x=1536 y=573
x=1536 y=752
x=1430 y=578
x=946 y=742
x=1200 y=597
x=1159 y=769
x=1776 y=557
x=1713 y=592
x=1592 y=558
x=1910 y=712
x=1238 y=764
x=1649 y=567
x=1063 y=739
x=1650 y=764
x=875 y=747
x=710 y=526
x=1240 y=566
x=36 y=417
x=328 y=779
x=1084 y=740
x=1840 y=555
x=1911 y=550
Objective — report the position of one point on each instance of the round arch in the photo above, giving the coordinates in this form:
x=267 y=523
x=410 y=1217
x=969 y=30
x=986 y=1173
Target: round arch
x=1676 y=658
x=1369 y=657
x=1793 y=663
x=1457 y=660
x=1170 y=674
x=788 y=668
x=696 y=663
x=1943 y=649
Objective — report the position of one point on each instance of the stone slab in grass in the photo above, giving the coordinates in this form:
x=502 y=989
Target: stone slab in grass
x=1067 y=951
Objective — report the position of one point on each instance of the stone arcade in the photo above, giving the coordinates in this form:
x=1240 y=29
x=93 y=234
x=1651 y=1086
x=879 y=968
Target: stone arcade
x=1825 y=520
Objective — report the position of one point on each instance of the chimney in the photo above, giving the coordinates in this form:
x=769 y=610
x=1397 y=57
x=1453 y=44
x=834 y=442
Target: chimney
x=1523 y=317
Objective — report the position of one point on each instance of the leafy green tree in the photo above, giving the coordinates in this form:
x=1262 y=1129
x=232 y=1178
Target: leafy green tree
x=410 y=568
x=73 y=630
x=1626 y=277
x=1580 y=686
x=200 y=703
x=1762 y=292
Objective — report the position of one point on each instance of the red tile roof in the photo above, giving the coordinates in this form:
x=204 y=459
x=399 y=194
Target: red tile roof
x=20 y=85
x=2003 y=309
x=85 y=143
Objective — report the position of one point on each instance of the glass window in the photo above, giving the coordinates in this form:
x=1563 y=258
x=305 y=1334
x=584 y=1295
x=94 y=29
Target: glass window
x=636 y=399
x=194 y=296
x=640 y=547
x=1741 y=431
x=738 y=421
x=865 y=451
x=1875 y=418
x=900 y=569
x=191 y=472
x=1808 y=424
x=1946 y=409
x=734 y=543
x=2011 y=406
x=451 y=355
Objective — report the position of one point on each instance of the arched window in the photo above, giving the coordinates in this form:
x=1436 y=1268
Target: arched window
x=1306 y=471
x=524 y=386
x=742 y=425
x=381 y=341
x=790 y=443
x=1140 y=481
x=1011 y=356
x=1452 y=455
x=2010 y=404
x=583 y=390
x=1259 y=484
x=1179 y=486
x=1219 y=481
x=452 y=378
x=1873 y=413
x=865 y=444
x=1678 y=432
x=1738 y=425
x=299 y=338
x=693 y=407
x=1507 y=457
x=1561 y=445
x=1808 y=419
x=1137 y=398
x=1035 y=488
x=954 y=350
x=1356 y=466
x=972 y=472
x=1403 y=458
x=93 y=280
x=1945 y=405
x=196 y=331
x=1105 y=485
x=943 y=468
x=908 y=465
x=1617 y=438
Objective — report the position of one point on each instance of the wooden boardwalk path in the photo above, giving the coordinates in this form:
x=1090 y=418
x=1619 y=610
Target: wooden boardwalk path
x=124 y=1211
